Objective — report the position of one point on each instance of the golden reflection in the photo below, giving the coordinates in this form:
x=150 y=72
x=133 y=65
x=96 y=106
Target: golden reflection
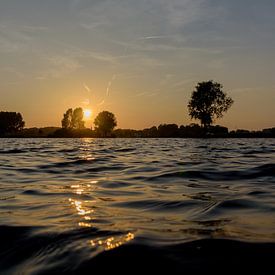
x=79 y=208
x=86 y=218
x=80 y=189
x=75 y=186
x=113 y=242
x=84 y=224
x=87 y=157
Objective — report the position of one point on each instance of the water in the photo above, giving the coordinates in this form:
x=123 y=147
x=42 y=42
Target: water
x=76 y=205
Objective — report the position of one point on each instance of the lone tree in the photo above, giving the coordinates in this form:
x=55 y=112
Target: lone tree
x=105 y=122
x=11 y=122
x=73 y=119
x=208 y=102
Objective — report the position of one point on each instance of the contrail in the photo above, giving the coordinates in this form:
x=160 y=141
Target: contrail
x=134 y=41
x=154 y=37
x=107 y=90
x=101 y=103
x=110 y=85
x=86 y=87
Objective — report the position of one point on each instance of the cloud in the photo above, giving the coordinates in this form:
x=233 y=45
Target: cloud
x=16 y=38
x=91 y=25
x=182 y=12
x=241 y=90
x=13 y=40
x=60 y=65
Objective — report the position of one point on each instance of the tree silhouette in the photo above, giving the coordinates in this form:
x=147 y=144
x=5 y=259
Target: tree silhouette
x=11 y=122
x=208 y=102
x=67 y=119
x=77 y=119
x=105 y=122
x=73 y=119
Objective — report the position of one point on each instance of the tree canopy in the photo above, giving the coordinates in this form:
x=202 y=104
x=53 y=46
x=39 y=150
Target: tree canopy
x=73 y=119
x=11 y=122
x=208 y=102
x=105 y=122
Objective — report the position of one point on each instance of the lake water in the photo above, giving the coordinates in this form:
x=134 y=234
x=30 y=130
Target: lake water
x=173 y=205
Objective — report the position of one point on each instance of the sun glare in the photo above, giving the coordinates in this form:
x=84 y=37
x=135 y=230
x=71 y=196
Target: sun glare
x=87 y=114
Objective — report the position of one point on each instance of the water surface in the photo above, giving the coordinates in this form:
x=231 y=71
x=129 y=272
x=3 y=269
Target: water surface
x=73 y=205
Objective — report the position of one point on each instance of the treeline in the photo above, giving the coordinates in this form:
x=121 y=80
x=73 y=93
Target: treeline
x=162 y=131
x=208 y=102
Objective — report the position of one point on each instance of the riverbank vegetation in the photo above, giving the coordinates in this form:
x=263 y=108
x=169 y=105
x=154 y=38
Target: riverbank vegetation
x=162 y=131
x=208 y=102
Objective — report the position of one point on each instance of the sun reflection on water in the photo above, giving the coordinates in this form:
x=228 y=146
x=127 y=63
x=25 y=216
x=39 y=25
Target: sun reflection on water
x=113 y=242
x=86 y=218
x=82 y=211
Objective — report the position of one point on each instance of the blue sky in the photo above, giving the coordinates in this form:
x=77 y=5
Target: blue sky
x=138 y=59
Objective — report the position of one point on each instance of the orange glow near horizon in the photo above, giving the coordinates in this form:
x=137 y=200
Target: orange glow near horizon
x=87 y=114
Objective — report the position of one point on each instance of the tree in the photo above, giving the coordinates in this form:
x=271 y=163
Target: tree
x=208 y=102
x=67 y=119
x=105 y=122
x=77 y=119
x=73 y=119
x=11 y=122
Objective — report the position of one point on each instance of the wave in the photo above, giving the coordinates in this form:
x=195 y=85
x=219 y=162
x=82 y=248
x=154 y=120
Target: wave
x=34 y=251
x=157 y=205
x=13 y=151
x=251 y=173
x=193 y=206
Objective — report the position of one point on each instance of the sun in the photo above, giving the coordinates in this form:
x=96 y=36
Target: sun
x=87 y=114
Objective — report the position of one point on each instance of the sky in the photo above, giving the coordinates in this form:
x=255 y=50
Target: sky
x=138 y=59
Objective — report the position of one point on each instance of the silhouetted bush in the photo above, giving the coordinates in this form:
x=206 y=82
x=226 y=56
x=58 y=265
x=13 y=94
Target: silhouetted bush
x=191 y=131
x=73 y=133
x=168 y=130
x=11 y=123
x=217 y=131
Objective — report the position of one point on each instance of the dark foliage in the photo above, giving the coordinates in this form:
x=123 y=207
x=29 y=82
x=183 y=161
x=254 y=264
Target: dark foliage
x=11 y=122
x=208 y=102
x=168 y=130
x=188 y=131
x=105 y=122
x=73 y=119
x=73 y=133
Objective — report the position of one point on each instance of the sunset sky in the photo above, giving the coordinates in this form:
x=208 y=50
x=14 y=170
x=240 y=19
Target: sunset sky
x=139 y=59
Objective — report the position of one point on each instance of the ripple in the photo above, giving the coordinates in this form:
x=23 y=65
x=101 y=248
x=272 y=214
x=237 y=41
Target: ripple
x=73 y=205
x=154 y=205
x=13 y=151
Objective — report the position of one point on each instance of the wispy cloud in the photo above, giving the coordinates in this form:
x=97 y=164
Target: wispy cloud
x=91 y=25
x=18 y=38
x=241 y=90
x=59 y=66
